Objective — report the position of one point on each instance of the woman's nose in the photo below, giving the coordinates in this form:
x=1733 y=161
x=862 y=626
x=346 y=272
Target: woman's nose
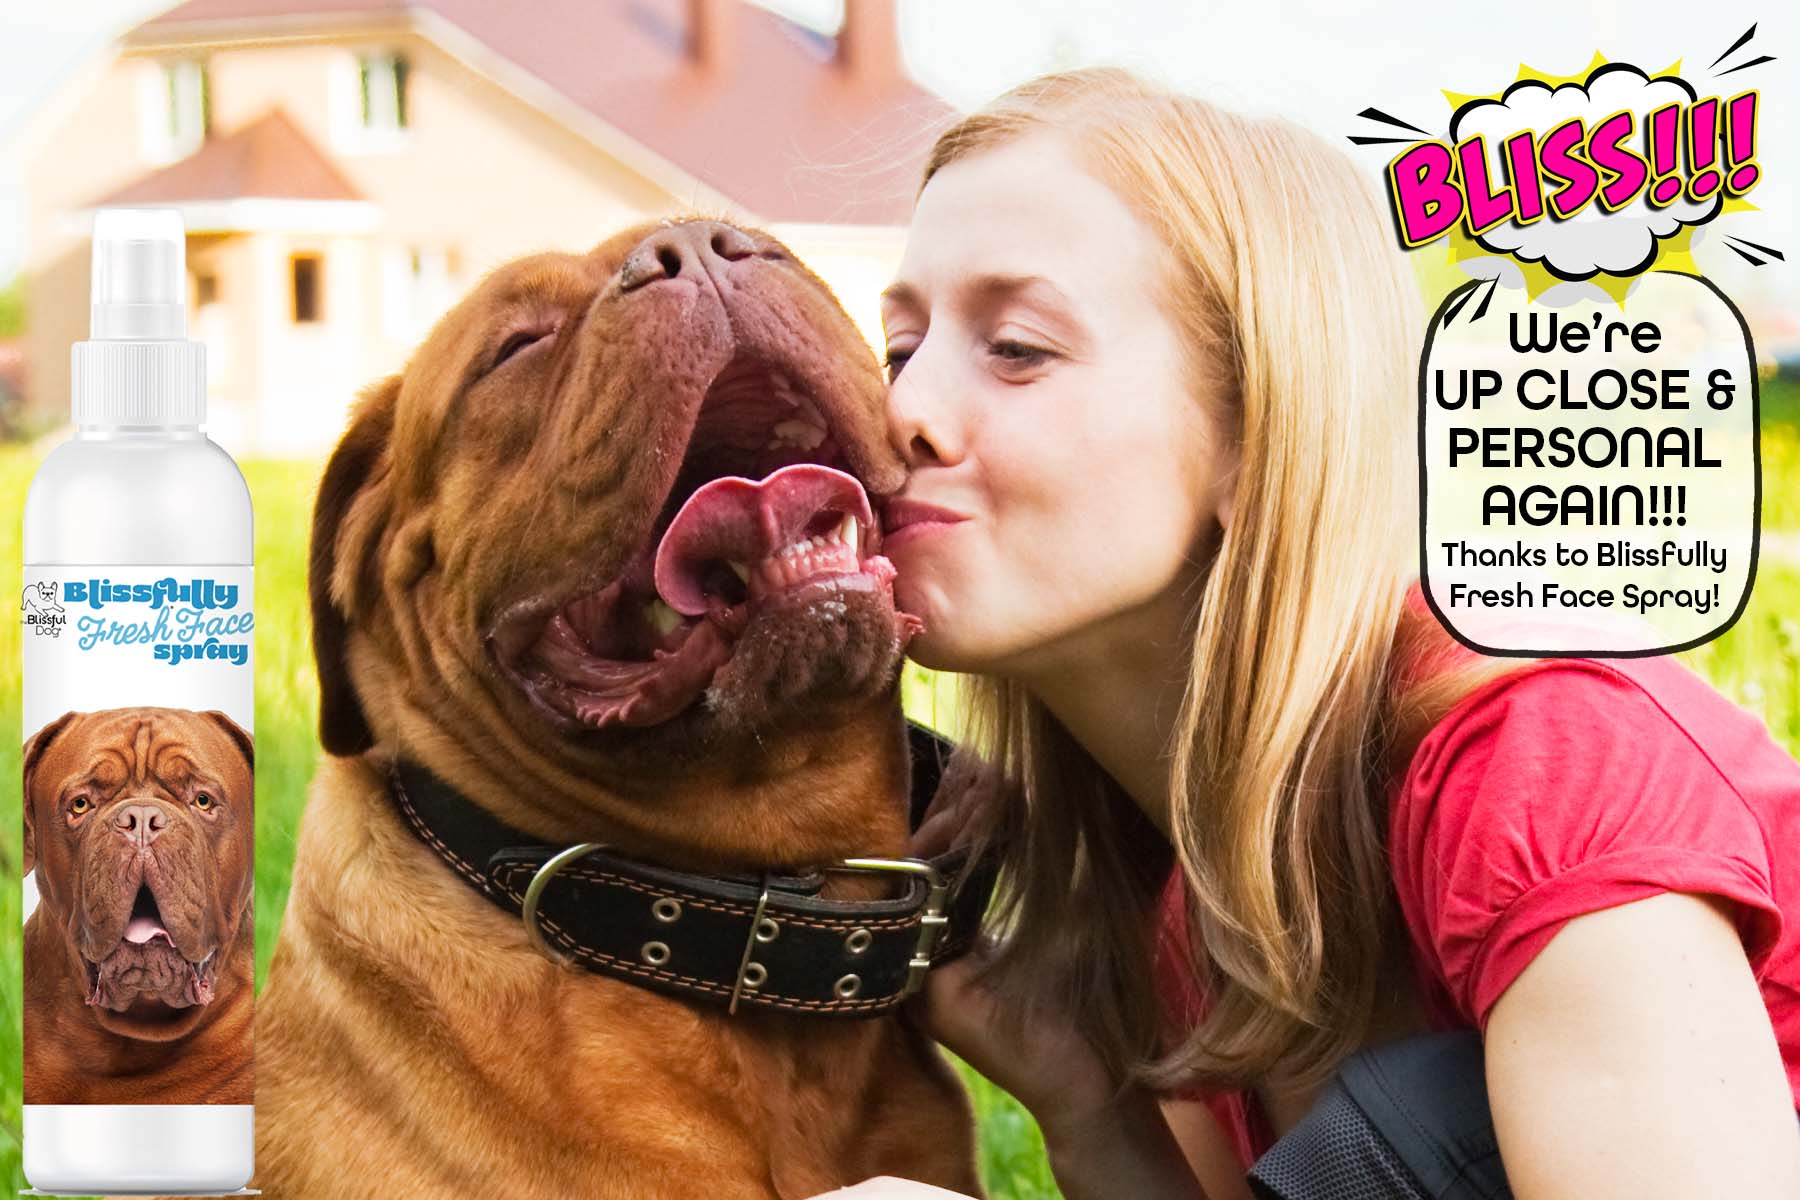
x=924 y=432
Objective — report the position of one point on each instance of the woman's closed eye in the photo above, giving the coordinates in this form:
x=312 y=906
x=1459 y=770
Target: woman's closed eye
x=1011 y=353
x=1016 y=353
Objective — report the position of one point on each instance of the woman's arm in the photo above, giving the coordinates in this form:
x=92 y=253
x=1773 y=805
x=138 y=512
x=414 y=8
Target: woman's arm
x=1124 y=1149
x=1634 y=1058
x=1098 y=1146
x=1127 y=1150
x=1210 y=1155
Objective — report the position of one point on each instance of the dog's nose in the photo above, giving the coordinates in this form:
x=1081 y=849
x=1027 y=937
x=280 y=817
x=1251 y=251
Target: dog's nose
x=140 y=823
x=688 y=248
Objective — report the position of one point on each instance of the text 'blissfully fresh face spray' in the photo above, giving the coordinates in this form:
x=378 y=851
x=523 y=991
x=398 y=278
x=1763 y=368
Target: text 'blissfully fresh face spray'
x=137 y=794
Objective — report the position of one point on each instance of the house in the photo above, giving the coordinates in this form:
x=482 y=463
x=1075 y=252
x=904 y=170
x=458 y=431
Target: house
x=347 y=168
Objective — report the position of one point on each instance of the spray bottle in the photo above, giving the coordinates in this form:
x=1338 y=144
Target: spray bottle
x=138 y=803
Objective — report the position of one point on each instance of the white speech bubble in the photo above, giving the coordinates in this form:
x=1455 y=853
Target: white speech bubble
x=1665 y=556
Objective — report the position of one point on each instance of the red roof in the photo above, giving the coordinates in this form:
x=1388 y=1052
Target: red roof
x=789 y=124
x=269 y=157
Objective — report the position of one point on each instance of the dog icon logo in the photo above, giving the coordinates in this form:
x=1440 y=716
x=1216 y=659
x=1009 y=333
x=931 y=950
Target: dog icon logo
x=44 y=616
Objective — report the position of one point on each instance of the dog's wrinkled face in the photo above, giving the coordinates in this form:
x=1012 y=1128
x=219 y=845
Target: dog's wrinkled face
x=138 y=823
x=621 y=504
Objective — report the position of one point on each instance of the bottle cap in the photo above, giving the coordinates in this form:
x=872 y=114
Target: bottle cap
x=138 y=366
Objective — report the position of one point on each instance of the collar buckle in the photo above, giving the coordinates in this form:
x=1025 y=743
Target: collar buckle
x=931 y=919
x=534 y=892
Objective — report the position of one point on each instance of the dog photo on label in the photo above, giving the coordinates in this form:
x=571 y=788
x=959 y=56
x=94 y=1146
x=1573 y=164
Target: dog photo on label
x=139 y=955
x=599 y=889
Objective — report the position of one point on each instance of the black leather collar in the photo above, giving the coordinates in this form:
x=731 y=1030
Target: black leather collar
x=763 y=941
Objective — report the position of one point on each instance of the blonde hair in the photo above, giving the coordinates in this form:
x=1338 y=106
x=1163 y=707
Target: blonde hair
x=1284 y=282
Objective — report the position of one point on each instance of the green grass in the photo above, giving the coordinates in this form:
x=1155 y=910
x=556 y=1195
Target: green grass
x=12 y=306
x=15 y=475
x=1757 y=663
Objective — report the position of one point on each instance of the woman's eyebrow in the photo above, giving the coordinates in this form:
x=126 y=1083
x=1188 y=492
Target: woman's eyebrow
x=901 y=294
x=999 y=285
x=990 y=287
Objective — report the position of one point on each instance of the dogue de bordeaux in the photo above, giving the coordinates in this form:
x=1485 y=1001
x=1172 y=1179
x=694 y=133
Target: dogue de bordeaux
x=140 y=954
x=600 y=567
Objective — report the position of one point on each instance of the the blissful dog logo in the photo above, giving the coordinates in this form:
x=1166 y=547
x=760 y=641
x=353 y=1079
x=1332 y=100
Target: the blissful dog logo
x=1588 y=416
x=42 y=614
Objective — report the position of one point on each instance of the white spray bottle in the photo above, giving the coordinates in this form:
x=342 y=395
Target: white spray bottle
x=138 y=709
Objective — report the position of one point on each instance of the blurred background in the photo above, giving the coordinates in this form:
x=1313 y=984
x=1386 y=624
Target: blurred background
x=348 y=168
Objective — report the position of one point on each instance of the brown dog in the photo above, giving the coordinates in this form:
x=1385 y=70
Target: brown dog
x=139 y=956
x=485 y=578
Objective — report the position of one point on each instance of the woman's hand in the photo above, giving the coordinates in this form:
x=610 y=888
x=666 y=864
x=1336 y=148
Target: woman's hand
x=1102 y=1140
x=1051 y=1068
x=969 y=794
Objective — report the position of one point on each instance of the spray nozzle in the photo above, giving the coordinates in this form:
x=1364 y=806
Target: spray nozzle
x=137 y=367
x=140 y=275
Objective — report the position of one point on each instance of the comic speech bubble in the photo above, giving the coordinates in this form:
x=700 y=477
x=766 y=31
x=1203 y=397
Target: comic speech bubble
x=1590 y=476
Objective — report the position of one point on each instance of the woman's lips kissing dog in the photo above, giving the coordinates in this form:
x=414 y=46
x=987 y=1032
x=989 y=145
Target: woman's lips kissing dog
x=767 y=538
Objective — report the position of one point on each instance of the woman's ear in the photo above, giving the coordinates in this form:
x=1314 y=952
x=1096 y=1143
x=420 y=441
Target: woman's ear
x=1228 y=496
x=338 y=564
x=1225 y=452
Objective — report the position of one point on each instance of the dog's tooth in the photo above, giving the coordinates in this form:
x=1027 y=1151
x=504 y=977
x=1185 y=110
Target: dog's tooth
x=799 y=433
x=662 y=616
x=849 y=533
x=740 y=570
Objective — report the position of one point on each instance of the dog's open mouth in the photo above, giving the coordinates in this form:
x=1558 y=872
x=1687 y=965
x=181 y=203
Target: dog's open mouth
x=765 y=515
x=146 y=965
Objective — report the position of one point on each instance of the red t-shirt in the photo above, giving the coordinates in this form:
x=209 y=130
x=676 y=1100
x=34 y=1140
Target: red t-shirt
x=1569 y=786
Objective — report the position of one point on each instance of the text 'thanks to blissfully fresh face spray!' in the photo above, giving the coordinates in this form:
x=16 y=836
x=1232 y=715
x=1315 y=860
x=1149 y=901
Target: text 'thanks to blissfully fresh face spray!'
x=138 y=805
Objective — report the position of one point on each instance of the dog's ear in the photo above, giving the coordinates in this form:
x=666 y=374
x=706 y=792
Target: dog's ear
x=236 y=733
x=35 y=746
x=337 y=566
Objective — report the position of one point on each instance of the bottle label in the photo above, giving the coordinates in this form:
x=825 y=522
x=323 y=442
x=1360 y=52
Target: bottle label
x=139 y=939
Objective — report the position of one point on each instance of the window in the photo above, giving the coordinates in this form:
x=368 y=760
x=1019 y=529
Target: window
x=382 y=84
x=308 y=288
x=176 y=109
x=418 y=286
x=369 y=101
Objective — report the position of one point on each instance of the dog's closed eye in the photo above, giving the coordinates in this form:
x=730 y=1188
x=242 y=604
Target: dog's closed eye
x=519 y=340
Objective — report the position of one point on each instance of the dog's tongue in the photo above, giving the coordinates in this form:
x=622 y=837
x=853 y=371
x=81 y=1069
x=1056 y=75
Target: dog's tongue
x=142 y=929
x=744 y=521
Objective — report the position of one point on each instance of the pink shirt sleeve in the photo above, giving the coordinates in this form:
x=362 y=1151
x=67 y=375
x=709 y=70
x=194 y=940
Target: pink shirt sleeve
x=1558 y=792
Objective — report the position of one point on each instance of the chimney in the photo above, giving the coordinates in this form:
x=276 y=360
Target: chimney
x=712 y=32
x=868 y=45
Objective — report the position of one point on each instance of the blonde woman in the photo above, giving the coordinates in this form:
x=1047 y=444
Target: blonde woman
x=1290 y=879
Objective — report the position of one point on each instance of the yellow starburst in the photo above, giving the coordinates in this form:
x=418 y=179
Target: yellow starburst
x=1673 y=253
